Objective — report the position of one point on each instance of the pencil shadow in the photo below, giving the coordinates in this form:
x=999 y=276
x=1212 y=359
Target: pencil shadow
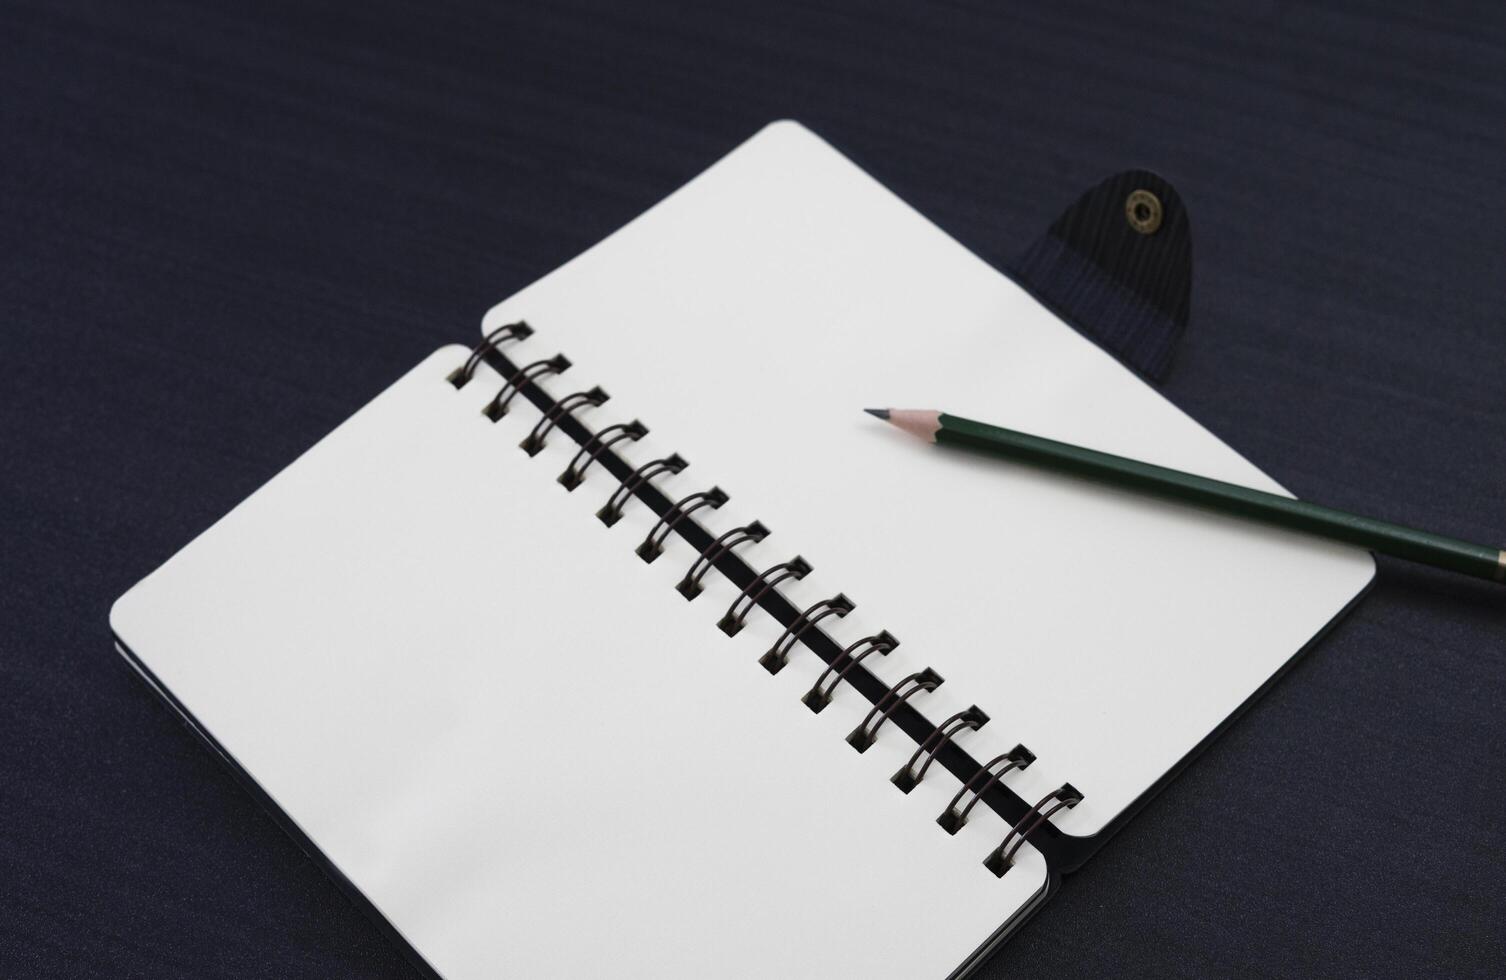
x=1448 y=593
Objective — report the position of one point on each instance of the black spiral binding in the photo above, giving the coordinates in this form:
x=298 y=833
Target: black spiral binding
x=953 y=819
x=653 y=545
x=526 y=375
x=934 y=742
x=690 y=585
x=1001 y=859
x=968 y=718
x=534 y=441
x=779 y=654
x=511 y=331
x=818 y=697
x=611 y=512
x=769 y=578
x=592 y=449
x=862 y=737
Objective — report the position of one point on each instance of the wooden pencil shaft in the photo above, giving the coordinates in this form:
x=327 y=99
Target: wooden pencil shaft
x=1383 y=536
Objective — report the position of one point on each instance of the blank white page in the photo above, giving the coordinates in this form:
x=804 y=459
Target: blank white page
x=530 y=753
x=749 y=318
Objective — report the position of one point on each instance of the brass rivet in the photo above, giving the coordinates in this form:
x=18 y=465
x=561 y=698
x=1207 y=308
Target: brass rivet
x=1142 y=210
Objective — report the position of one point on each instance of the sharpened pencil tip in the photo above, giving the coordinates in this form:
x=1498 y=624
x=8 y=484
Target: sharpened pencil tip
x=878 y=413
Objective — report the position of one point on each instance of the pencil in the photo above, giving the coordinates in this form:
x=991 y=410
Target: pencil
x=1398 y=540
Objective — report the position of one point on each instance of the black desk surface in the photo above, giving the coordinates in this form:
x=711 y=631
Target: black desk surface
x=222 y=231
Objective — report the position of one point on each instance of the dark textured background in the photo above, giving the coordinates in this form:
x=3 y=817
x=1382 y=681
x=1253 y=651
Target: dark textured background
x=221 y=231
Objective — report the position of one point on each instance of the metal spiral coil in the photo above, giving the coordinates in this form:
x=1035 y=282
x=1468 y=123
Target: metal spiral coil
x=803 y=627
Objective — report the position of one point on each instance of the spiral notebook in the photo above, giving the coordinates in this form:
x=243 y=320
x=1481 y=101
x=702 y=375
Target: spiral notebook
x=624 y=644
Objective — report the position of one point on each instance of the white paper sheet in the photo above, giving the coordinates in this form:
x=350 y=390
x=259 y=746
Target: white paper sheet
x=749 y=318
x=530 y=753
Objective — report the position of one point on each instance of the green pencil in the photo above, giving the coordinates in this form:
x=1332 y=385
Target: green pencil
x=1382 y=536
